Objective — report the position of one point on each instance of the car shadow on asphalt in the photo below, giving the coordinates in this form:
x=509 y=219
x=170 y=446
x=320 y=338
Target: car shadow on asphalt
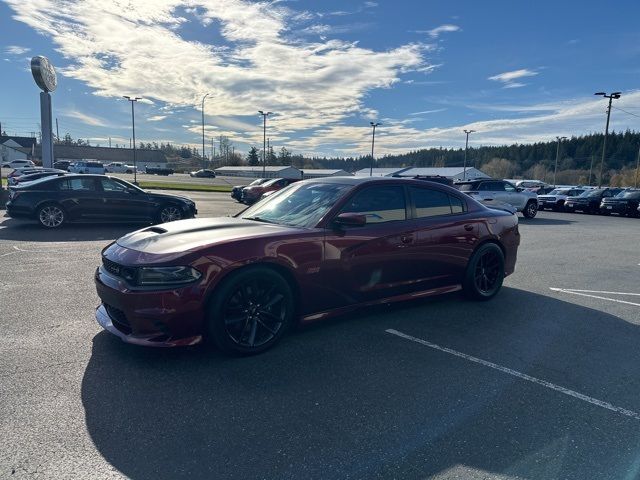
x=345 y=399
x=545 y=221
x=24 y=230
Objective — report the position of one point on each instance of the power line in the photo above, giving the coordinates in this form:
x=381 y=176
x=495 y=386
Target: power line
x=629 y=113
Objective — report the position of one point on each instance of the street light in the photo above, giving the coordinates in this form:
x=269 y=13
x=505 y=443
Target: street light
x=373 y=142
x=614 y=95
x=203 y=154
x=555 y=169
x=133 y=124
x=264 y=141
x=466 y=147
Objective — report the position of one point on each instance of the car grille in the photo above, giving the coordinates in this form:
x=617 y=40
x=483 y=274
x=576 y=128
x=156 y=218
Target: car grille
x=128 y=273
x=119 y=319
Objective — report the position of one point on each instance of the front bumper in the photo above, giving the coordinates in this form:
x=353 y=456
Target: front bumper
x=158 y=318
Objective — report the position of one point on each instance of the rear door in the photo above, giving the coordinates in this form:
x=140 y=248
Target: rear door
x=444 y=237
x=80 y=198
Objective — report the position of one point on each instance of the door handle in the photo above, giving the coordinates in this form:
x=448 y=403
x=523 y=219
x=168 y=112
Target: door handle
x=468 y=227
x=406 y=238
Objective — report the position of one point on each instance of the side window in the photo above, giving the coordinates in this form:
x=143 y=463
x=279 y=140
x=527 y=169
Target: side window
x=508 y=187
x=379 y=204
x=457 y=205
x=109 y=185
x=430 y=203
x=485 y=187
x=78 y=184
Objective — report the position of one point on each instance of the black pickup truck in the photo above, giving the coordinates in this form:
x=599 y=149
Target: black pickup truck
x=158 y=171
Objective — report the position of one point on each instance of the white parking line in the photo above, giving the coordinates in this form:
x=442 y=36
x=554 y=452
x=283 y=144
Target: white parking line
x=523 y=376
x=584 y=293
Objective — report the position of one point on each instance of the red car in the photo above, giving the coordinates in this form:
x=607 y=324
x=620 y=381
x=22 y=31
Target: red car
x=252 y=193
x=314 y=249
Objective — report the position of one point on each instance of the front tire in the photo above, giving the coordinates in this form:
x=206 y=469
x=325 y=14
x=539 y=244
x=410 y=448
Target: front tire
x=169 y=213
x=51 y=216
x=485 y=273
x=531 y=210
x=250 y=311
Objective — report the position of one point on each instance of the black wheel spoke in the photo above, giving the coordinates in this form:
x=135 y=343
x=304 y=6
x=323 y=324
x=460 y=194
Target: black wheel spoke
x=268 y=328
x=274 y=300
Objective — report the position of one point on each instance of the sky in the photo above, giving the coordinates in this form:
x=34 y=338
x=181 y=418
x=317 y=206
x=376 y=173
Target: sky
x=515 y=72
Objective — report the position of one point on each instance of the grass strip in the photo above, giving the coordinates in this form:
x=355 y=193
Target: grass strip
x=189 y=187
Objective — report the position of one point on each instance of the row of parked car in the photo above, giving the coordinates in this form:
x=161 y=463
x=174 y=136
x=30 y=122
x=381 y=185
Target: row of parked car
x=98 y=168
x=604 y=201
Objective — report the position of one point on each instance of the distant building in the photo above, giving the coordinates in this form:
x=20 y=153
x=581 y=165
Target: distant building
x=16 y=148
x=381 y=172
x=457 y=174
x=151 y=158
x=320 y=173
x=257 y=172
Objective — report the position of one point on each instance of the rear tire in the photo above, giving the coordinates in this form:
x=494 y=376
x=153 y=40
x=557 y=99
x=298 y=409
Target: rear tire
x=51 y=216
x=485 y=273
x=250 y=311
x=531 y=210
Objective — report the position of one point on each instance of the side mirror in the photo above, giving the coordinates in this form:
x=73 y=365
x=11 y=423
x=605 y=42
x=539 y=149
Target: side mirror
x=350 y=220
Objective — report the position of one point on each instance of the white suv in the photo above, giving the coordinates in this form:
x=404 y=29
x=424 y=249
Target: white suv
x=119 y=167
x=500 y=191
x=87 y=167
x=15 y=164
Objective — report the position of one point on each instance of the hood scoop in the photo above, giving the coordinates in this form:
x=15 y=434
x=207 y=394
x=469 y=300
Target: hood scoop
x=155 y=230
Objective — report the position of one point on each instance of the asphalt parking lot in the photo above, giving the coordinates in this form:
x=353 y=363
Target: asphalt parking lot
x=542 y=382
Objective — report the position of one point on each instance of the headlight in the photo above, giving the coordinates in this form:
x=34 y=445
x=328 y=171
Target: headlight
x=167 y=275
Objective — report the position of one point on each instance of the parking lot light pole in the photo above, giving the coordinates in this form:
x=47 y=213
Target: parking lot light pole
x=373 y=143
x=203 y=153
x=466 y=148
x=635 y=185
x=614 y=95
x=555 y=169
x=264 y=140
x=133 y=125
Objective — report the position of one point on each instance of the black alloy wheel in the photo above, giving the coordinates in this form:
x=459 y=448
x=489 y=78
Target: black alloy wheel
x=251 y=311
x=485 y=272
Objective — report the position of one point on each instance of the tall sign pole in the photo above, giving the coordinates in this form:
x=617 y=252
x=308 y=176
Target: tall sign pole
x=45 y=76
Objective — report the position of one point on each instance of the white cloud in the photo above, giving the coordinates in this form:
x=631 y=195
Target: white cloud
x=436 y=32
x=508 y=78
x=156 y=118
x=259 y=65
x=88 y=119
x=426 y=112
x=16 y=50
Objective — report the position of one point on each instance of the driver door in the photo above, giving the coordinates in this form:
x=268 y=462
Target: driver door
x=122 y=203
x=369 y=262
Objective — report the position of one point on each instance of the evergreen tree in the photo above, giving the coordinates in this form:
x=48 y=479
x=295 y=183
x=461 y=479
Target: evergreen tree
x=252 y=157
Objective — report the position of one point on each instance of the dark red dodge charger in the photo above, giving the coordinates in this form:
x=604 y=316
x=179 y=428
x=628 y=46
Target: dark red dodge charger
x=314 y=249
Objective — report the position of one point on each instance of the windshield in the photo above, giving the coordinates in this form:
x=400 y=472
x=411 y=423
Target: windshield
x=559 y=191
x=467 y=187
x=300 y=205
x=257 y=181
x=592 y=193
x=629 y=194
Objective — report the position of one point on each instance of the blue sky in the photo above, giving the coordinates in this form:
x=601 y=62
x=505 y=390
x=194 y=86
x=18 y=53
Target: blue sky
x=516 y=72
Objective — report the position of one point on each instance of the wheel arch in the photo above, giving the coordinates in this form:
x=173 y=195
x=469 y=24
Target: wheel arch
x=282 y=270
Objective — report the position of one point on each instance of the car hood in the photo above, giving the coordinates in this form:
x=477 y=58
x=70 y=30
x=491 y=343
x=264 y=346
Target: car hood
x=188 y=235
